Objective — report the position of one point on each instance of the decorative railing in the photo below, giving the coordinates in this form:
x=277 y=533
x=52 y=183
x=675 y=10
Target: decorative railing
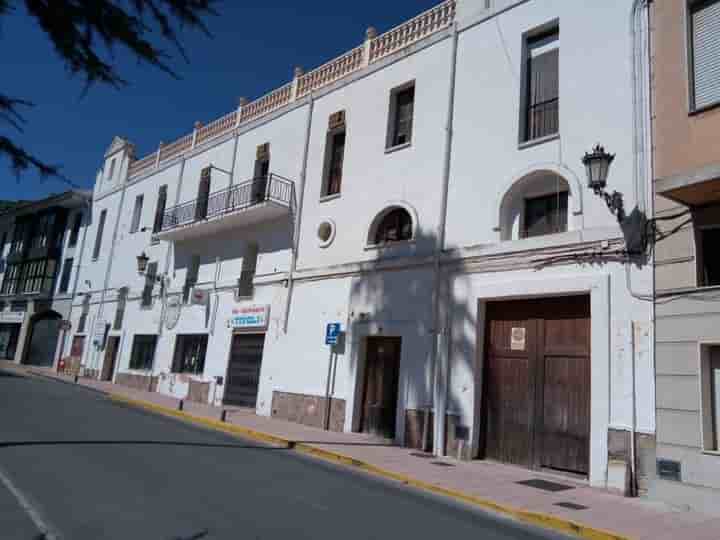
x=271 y=188
x=217 y=127
x=331 y=72
x=374 y=49
x=413 y=30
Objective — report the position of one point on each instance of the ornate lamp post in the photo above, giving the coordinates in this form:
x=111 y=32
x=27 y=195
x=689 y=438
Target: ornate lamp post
x=597 y=165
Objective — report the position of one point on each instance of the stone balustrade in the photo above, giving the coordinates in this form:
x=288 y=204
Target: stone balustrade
x=374 y=49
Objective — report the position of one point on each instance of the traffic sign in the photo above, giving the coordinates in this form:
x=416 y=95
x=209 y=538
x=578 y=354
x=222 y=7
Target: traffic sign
x=332 y=333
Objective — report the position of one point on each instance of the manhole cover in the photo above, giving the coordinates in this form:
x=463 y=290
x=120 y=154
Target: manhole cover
x=545 y=485
x=421 y=455
x=442 y=464
x=571 y=505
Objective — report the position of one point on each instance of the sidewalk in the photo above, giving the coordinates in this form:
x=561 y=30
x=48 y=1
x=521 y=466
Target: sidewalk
x=598 y=514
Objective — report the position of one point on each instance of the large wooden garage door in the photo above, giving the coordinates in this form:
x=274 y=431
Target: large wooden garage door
x=536 y=406
x=243 y=376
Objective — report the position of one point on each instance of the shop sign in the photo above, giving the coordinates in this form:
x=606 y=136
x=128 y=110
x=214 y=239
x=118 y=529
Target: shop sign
x=12 y=316
x=250 y=317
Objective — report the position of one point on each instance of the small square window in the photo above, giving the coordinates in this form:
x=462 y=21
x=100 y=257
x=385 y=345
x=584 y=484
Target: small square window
x=545 y=215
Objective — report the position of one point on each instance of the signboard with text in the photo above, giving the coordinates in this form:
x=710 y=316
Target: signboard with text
x=332 y=333
x=250 y=318
x=12 y=317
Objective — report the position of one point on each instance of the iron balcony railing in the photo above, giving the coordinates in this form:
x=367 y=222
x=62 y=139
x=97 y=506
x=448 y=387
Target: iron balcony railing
x=270 y=188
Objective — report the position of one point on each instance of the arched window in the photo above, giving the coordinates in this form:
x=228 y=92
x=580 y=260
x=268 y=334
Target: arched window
x=395 y=226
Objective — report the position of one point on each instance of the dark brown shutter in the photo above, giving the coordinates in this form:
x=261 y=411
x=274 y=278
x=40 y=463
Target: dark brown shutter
x=160 y=209
x=203 y=194
x=150 y=275
x=98 y=237
x=335 y=169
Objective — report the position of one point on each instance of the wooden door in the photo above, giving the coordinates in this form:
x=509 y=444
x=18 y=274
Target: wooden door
x=201 y=206
x=380 y=393
x=111 y=351
x=243 y=375
x=536 y=391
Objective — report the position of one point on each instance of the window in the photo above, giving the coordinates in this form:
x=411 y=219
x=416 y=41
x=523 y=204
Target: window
x=65 y=278
x=395 y=226
x=120 y=308
x=541 y=97
x=111 y=170
x=75 y=231
x=190 y=352
x=82 y=323
x=191 y=277
x=704 y=50
x=709 y=256
x=98 y=237
x=545 y=215
x=334 y=154
x=160 y=209
x=143 y=351
x=137 y=214
x=249 y=263
x=710 y=384
x=42 y=231
x=201 y=207
x=18 y=241
x=11 y=279
x=38 y=275
x=261 y=172
x=150 y=275
x=402 y=104
x=3 y=241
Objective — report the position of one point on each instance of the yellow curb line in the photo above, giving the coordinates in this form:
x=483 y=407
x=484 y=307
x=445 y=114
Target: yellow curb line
x=547 y=521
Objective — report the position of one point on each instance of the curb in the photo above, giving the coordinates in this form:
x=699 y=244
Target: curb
x=546 y=521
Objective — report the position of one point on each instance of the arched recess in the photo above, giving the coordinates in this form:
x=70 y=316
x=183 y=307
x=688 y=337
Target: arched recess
x=390 y=208
x=542 y=180
x=42 y=342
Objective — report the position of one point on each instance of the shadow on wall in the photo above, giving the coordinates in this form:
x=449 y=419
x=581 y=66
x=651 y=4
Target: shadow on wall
x=398 y=303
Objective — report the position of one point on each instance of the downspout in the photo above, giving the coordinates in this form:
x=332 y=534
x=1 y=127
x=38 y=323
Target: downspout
x=298 y=214
x=108 y=272
x=440 y=377
x=88 y=205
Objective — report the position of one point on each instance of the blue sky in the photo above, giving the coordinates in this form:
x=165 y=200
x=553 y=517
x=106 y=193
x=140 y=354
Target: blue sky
x=254 y=47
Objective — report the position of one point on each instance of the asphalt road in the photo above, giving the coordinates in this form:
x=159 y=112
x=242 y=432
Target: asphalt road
x=82 y=467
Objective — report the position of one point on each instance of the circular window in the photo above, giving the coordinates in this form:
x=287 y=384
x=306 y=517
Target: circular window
x=326 y=233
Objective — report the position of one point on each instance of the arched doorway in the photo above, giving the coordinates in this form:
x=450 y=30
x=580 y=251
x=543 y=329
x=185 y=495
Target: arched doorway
x=44 y=332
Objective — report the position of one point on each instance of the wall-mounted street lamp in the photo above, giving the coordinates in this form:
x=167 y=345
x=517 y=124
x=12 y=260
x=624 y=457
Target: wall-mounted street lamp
x=597 y=165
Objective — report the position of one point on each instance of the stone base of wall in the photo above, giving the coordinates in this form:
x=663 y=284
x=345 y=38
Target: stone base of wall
x=138 y=382
x=198 y=391
x=619 y=450
x=308 y=410
x=416 y=421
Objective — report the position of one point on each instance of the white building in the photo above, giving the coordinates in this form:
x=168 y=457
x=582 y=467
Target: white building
x=419 y=190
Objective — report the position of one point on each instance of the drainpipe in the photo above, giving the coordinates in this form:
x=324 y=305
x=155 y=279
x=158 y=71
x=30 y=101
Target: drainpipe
x=439 y=351
x=298 y=213
x=88 y=205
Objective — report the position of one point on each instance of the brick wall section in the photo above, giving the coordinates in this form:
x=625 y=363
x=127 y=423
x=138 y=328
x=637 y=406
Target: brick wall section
x=308 y=410
x=138 y=382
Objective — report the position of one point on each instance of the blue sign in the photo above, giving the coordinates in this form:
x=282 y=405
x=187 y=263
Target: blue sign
x=332 y=333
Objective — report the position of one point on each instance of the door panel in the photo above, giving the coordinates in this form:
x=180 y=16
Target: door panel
x=110 y=357
x=380 y=395
x=243 y=378
x=43 y=341
x=536 y=398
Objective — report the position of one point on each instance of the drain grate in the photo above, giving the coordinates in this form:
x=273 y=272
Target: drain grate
x=571 y=505
x=441 y=464
x=544 y=485
x=421 y=455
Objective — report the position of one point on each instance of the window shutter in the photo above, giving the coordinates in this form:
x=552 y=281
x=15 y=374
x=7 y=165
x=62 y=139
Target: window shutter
x=191 y=276
x=706 y=54
x=160 y=209
x=245 y=284
x=137 y=214
x=120 y=311
x=65 y=279
x=98 y=238
x=150 y=275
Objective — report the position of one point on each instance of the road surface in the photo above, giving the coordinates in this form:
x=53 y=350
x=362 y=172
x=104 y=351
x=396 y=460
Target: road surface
x=75 y=465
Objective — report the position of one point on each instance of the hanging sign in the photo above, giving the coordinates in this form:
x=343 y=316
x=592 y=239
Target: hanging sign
x=517 y=339
x=250 y=318
x=199 y=297
x=172 y=311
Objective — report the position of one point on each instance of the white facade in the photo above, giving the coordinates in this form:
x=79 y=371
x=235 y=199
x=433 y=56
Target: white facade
x=431 y=290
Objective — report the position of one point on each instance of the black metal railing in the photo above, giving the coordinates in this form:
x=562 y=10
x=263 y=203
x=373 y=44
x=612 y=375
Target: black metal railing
x=270 y=188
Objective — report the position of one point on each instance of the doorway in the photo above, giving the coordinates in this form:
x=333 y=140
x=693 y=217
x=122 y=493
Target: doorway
x=536 y=383
x=243 y=374
x=111 y=350
x=380 y=389
x=44 y=332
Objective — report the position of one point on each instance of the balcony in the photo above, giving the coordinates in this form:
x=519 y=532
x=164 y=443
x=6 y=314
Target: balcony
x=251 y=202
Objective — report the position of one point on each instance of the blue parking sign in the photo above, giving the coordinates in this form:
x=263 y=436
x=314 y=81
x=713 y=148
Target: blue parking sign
x=332 y=333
